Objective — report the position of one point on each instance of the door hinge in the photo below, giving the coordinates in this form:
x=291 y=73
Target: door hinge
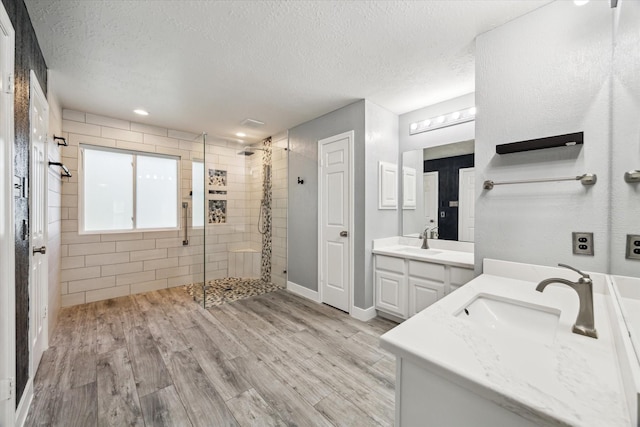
x=10 y=84
x=45 y=312
x=7 y=389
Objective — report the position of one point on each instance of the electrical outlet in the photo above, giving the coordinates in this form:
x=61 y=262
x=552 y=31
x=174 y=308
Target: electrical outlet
x=582 y=243
x=633 y=246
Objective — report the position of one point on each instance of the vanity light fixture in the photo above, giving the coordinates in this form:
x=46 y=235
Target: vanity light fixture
x=449 y=119
x=241 y=134
x=141 y=112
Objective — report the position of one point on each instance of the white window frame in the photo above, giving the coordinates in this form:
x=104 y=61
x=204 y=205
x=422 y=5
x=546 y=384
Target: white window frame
x=81 y=229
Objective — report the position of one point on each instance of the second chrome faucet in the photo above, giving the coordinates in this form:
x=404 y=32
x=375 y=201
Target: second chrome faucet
x=585 y=324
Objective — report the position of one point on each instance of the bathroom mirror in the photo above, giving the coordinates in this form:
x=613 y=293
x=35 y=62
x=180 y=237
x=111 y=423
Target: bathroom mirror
x=443 y=190
x=625 y=158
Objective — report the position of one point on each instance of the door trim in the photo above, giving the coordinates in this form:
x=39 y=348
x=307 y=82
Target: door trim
x=7 y=222
x=350 y=135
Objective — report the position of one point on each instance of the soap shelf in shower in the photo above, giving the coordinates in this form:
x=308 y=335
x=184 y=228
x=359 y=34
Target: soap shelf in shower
x=585 y=179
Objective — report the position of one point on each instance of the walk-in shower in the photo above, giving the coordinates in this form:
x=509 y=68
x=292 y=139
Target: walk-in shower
x=236 y=219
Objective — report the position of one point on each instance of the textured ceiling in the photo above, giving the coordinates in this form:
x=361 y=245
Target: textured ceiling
x=207 y=65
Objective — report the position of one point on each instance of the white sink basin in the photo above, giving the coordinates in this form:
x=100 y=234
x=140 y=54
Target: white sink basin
x=504 y=315
x=418 y=251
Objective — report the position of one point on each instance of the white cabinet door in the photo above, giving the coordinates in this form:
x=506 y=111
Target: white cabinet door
x=391 y=293
x=423 y=293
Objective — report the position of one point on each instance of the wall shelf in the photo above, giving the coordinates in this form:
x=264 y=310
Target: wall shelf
x=567 y=140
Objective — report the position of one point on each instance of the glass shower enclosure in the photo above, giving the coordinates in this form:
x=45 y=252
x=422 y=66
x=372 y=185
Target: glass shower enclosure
x=234 y=218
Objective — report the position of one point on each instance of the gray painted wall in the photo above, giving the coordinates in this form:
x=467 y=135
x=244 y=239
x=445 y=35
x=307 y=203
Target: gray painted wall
x=545 y=73
x=303 y=199
x=381 y=145
x=378 y=141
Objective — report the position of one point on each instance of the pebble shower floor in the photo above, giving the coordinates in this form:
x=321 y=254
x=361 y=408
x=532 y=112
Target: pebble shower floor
x=222 y=291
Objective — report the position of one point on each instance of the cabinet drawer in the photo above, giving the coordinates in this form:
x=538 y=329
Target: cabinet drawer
x=426 y=270
x=460 y=276
x=390 y=264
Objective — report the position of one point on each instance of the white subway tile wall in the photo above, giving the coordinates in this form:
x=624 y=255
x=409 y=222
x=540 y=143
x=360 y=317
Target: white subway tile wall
x=103 y=266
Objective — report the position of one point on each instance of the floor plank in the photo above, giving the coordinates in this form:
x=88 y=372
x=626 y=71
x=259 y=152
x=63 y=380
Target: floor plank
x=288 y=404
x=109 y=335
x=342 y=412
x=149 y=369
x=77 y=407
x=251 y=410
x=163 y=408
x=203 y=403
x=159 y=359
x=118 y=403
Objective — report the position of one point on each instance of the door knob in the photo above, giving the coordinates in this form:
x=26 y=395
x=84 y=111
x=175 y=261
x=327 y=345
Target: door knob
x=344 y=234
x=42 y=250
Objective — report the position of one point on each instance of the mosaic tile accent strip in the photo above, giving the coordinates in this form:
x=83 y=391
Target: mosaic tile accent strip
x=229 y=289
x=217 y=177
x=217 y=211
x=265 y=269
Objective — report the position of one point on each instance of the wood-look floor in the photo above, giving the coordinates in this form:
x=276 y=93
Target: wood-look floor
x=158 y=359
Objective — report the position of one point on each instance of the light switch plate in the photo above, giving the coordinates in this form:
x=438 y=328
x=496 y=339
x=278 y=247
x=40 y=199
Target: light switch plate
x=582 y=243
x=633 y=246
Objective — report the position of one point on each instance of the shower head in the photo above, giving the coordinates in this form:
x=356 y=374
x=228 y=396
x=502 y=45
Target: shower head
x=249 y=151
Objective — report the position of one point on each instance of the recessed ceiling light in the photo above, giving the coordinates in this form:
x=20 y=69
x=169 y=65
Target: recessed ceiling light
x=241 y=134
x=580 y=2
x=141 y=112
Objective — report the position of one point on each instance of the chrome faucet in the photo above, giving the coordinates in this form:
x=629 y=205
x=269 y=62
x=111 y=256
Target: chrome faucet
x=584 y=287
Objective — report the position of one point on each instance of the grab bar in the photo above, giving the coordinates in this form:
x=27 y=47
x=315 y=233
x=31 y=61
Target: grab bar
x=64 y=169
x=185 y=206
x=586 y=179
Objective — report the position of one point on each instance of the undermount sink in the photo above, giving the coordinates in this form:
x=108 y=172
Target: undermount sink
x=419 y=251
x=504 y=315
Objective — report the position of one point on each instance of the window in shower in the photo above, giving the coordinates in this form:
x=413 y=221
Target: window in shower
x=123 y=190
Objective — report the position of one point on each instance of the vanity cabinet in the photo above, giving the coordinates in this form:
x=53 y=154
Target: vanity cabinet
x=426 y=284
x=391 y=285
x=404 y=287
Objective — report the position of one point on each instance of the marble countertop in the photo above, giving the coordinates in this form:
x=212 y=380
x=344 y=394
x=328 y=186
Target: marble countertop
x=573 y=380
x=457 y=254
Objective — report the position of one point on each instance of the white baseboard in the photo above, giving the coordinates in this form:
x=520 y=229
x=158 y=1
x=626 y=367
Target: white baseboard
x=303 y=292
x=363 y=314
x=23 y=407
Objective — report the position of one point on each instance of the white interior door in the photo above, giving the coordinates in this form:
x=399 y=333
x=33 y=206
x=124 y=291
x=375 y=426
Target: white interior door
x=467 y=206
x=38 y=280
x=7 y=225
x=431 y=198
x=335 y=220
